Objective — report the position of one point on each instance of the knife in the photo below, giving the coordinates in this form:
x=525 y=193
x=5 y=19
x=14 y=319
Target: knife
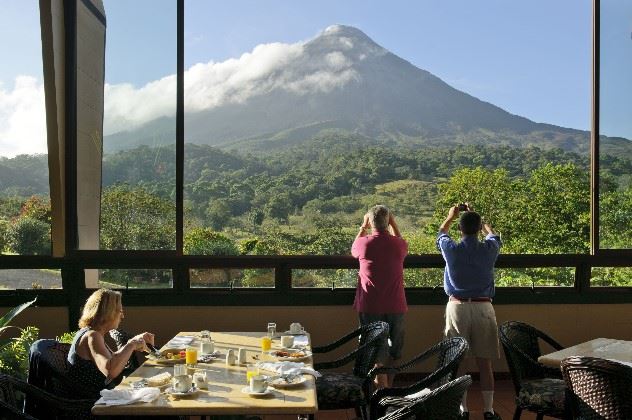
x=153 y=350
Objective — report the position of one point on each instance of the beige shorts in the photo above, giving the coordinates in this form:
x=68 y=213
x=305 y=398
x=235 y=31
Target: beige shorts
x=476 y=322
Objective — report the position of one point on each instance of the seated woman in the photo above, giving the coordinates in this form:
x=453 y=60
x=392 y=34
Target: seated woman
x=93 y=364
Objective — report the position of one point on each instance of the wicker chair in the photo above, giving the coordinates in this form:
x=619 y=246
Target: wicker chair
x=56 y=407
x=448 y=354
x=539 y=388
x=598 y=388
x=441 y=404
x=336 y=390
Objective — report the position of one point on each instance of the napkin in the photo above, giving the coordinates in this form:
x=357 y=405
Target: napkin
x=288 y=368
x=127 y=396
x=300 y=341
x=180 y=341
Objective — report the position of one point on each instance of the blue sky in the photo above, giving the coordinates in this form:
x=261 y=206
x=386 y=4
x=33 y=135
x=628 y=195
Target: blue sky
x=531 y=58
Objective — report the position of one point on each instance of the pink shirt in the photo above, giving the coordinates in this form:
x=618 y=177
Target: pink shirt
x=381 y=277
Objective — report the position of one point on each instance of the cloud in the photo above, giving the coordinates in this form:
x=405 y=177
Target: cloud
x=22 y=117
x=266 y=68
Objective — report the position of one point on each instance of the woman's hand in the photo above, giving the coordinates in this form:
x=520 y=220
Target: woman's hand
x=138 y=341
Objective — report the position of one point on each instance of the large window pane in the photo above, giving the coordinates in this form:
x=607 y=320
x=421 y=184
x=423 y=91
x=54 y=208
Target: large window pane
x=295 y=125
x=134 y=278
x=232 y=277
x=30 y=279
x=25 y=212
x=611 y=277
x=615 y=90
x=138 y=183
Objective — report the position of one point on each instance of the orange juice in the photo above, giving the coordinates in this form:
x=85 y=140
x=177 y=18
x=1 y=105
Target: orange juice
x=191 y=355
x=250 y=373
x=266 y=343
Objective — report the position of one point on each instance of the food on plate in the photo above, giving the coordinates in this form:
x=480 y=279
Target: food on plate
x=296 y=354
x=159 y=379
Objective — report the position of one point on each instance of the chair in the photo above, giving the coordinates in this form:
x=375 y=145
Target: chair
x=336 y=390
x=448 y=354
x=55 y=407
x=441 y=404
x=539 y=388
x=598 y=388
x=49 y=370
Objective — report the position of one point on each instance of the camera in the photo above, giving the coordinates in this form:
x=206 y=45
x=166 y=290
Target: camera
x=463 y=207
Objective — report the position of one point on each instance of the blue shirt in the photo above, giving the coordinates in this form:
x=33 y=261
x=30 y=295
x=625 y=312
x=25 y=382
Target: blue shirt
x=469 y=265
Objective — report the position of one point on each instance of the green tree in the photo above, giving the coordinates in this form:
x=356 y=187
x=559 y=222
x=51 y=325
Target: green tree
x=134 y=218
x=29 y=236
x=205 y=241
x=218 y=214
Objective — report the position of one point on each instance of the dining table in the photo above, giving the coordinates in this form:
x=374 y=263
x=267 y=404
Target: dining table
x=227 y=392
x=604 y=348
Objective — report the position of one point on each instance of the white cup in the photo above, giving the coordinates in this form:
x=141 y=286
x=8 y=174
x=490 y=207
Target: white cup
x=200 y=378
x=287 y=341
x=296 y=328
x=182 y=383
x=258 y=383
x=207 y=347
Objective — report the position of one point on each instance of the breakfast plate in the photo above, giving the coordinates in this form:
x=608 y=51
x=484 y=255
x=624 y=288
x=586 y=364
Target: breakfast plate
x=291 y=355
x=168 y=357
x=246 y=390
x=287 y=381
x=175 y=393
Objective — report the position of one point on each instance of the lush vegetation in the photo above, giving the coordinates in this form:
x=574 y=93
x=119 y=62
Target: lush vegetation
x=309 y=199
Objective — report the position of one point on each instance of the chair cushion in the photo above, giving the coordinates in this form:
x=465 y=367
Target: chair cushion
x=339 y=390
x=542 y=395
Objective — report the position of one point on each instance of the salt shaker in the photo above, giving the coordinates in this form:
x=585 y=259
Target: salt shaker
x=230 y=357
x=241 y=356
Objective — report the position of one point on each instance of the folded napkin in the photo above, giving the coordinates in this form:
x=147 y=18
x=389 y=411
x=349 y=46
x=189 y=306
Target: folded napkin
x=288 y=368
x=127 y=396
x=300 y=341
x=180 y=341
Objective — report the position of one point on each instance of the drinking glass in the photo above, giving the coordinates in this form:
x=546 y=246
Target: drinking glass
x=266 y=343
x=271 y=329
x=251 y=370
x=191 y=356
x=179 y=370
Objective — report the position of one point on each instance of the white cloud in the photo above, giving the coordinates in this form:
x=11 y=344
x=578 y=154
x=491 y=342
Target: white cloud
x=207 y=85
x=22 y=117
x=266 y=68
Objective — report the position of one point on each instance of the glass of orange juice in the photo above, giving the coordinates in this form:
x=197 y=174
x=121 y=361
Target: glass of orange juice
x=266 y=343
x=251 y=370
x=191 y=356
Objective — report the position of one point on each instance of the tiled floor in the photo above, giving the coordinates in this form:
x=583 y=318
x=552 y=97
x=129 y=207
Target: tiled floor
x=503 y=404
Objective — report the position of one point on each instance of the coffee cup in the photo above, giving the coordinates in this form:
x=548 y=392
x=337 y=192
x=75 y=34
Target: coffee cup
x=199 y=379
x=287 y=341
x=258 y=383
x=182 y=383
x=296 y=328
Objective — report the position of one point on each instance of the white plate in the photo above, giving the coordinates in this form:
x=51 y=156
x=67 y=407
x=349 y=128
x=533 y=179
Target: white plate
x=281 y=383
x=246 y=390
x=175 y=393
x=307 y=354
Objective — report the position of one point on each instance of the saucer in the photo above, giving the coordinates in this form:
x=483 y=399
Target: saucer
x=175 y=393
x=246 y=390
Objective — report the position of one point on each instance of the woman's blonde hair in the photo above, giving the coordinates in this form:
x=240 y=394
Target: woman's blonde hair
x=101 y=307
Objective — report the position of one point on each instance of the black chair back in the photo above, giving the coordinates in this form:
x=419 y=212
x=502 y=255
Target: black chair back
x=598 y=388
x=373 y=340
